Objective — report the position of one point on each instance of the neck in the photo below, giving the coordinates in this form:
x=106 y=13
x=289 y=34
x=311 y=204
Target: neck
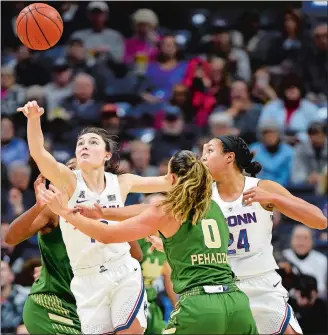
x=95 y=179
x=231 y=185
x=5 y=291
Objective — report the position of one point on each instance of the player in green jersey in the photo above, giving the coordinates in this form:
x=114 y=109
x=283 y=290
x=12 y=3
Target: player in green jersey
x=154 y=265
x=50 y=307
x=195 y=238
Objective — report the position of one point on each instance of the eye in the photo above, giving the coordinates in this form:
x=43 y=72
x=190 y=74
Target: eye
x=209 y=150
x=94 y=142
x=79 y=143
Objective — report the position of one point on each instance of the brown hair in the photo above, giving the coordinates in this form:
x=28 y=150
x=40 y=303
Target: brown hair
x=190 y=197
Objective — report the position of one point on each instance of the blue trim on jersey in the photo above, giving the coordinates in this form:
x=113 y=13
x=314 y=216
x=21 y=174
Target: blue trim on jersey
x=135 y=312
x=286 y=323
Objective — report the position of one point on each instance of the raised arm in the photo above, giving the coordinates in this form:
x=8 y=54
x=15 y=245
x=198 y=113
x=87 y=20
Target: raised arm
x=272 y=195
x=131 y=183
x=57 y=173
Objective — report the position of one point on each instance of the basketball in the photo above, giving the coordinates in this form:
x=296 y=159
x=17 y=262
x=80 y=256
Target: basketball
x=39 y=26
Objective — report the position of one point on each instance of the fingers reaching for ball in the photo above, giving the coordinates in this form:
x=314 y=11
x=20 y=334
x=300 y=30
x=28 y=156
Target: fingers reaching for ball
x=31 y=110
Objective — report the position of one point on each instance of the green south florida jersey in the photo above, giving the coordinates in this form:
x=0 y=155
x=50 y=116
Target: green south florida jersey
x=197 y=254
x=56 y=273
x=152 y=267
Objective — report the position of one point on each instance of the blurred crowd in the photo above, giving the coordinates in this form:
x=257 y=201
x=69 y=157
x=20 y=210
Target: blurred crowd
x=260 y=75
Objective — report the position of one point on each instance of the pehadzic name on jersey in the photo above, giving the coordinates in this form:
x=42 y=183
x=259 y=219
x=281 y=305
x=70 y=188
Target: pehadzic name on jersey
x=211 y=258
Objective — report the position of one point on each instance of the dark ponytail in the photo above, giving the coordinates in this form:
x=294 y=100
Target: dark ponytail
x=243 y=156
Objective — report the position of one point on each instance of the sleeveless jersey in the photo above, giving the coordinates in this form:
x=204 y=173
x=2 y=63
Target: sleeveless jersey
x=152 y=267
x=197 y=253
x=250 y=250
x=56 y=273
x=83 y=251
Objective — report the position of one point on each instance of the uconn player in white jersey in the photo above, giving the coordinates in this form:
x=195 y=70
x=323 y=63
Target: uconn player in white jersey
x=107 y=283
x=247 y=204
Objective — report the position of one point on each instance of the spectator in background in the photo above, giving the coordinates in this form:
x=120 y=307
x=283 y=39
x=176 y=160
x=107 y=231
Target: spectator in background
x=173 y=136
x=275 y=156
x=99 y=39
x=289 y=45
x=290 y=110
x=308 y=261
x=61 y=86
x=221 y=46
x=314 y=65
x=12 y=300
x=311 y=311
x=20 y=198
x=12 y=148
x=12 y=94
x=311 y=156
x=220 y=124
x=77 y=57
x=261 y=87
x=209 y=86
x=82 y=109
x=140 y=159
x=244 y=112
x=182 y=99
x=110 y=120
x=141 y=48
x=29 y=69
x=323 y=184
x=167 y=71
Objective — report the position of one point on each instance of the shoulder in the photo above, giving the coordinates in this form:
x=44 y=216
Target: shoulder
x=306 y=105
x=319 y=258
x=288 y=148
x=272 y=104
x=288 y=253
x=272 y=186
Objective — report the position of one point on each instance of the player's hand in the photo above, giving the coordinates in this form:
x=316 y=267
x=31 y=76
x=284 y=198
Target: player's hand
x=54 y=198
x=257 y=194
x=156 y=243
x=95 y=212
x=39 y=184
x=37 y=272
x=31 y=110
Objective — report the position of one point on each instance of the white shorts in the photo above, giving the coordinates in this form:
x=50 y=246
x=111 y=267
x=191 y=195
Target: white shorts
x=109 y=297
x=268 y=301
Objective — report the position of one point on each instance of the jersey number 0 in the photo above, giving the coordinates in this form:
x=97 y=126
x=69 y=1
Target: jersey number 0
x=211 y=233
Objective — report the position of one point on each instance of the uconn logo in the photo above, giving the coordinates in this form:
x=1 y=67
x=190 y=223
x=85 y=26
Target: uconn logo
x=238 y=220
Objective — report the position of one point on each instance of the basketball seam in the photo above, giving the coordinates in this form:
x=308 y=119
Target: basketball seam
x=50 y=20
x=27 y=33
x=39 y=27
x=25 y=13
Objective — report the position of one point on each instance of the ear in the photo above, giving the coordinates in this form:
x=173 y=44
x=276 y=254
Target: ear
x=108 y=157
x=230 y=157
x=173 y=178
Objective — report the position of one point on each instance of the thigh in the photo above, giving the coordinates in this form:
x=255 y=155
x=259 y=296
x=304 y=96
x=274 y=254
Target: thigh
x=92 y=294
x=129 y=302
x=268 y=301
x=240 y=318
x=41 y=320
x=199 y=314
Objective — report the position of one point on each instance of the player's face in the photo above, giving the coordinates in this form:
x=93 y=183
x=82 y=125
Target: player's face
x=214 y=158
x=91 y=151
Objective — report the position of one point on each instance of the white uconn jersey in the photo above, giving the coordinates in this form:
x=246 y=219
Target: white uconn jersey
x=250 y=227
x=83 y=251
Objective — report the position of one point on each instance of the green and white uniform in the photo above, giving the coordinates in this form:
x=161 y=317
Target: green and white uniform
x=210 y=302
x=152 y=269
x=50 y=307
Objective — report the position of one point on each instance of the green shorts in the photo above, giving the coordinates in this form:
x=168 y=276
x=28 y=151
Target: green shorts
x=155 y=319
x=198 y=312
x=47 y=314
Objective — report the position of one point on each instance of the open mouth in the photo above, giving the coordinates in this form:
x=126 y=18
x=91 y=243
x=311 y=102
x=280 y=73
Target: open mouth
x=85 y=155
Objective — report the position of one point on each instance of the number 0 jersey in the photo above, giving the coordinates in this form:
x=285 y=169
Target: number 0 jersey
x=83 y=251
x=250 y=251
x=197 y=254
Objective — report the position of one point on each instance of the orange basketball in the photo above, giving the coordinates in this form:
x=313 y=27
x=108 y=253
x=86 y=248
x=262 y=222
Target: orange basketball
x=39 y=26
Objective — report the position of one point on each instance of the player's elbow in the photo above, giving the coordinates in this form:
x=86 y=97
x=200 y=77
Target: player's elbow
x=322 y=222
x=317 y=219
x=10 y=240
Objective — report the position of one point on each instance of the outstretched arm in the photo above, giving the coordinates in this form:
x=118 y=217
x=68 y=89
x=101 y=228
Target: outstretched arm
x=132 y=229
x=272 y=195
x=57 y=173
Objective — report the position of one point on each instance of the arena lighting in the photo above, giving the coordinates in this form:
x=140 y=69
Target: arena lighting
x=199 y=17
x=182 y=37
